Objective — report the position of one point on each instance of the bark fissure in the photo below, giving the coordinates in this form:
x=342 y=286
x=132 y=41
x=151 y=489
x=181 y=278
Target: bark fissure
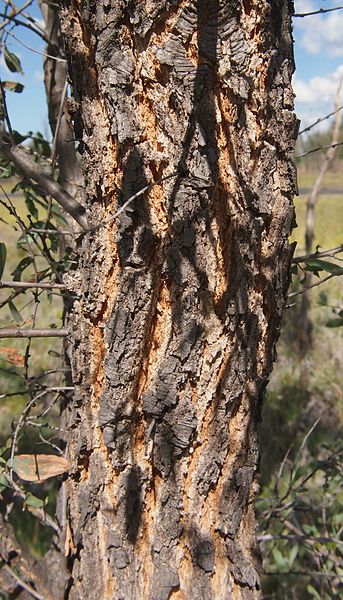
x=181 y=299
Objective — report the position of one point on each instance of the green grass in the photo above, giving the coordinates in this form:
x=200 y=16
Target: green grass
x=44 y=353
x=332 y=179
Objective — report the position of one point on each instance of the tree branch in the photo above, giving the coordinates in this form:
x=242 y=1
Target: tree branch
x=22 y=583
x=29 y=284
x=31 y=170
x=332 y=252
x=319 y=148
x=320 y=120
x=321 y=11
x=32 y=333
x=309 y=287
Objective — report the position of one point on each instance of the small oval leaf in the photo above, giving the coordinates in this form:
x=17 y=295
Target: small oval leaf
x=12 y=61
x=39 y=467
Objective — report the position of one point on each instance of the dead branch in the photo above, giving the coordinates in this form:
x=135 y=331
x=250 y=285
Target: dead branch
x=29 y=284
x=33 y=333
x=32 y=170
x=321 y=11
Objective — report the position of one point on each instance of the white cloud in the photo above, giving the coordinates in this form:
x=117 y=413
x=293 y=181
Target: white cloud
x=320 y=33
x=316 y=97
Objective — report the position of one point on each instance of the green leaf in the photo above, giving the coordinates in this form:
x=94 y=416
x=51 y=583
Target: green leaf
x=30 y=205
x=33 y=501
x=15 y=312
x=310 y=589
x=3 y=482
x=334 y=323
x=21 y=266
x=12 y=86
x=294 y=270
x=293 y=554
x=3 y=253
x=279 y=559
x=300 y=472
x=322 y=299
x=323 y=265
x=12 y=61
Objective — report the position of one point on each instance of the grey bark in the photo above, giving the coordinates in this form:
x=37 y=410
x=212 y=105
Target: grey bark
x=180 y=301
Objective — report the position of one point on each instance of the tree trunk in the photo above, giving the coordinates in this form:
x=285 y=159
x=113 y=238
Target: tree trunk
x=179 y=298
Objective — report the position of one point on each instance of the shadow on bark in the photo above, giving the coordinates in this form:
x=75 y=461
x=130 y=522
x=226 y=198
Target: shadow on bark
x=133 y=506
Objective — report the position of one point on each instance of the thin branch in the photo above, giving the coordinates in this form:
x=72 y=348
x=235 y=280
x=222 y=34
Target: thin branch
x=34 y=333
x=18 y=12
x=304 y=574
x=319 y=148
x=36 y=51
x=128 y=202
x=320 y=120
x=24 y=24
x=32 y=170
x=312 y=538
x=22 y=583
x=321 y=11
x=305 y=257
x=309 y=287
x=54 y=231
x=29 y=284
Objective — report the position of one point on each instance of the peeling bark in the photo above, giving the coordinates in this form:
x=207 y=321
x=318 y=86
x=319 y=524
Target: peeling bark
x=180 y=299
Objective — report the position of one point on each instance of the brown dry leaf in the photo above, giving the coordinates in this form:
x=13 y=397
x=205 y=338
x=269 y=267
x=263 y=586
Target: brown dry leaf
x=38 y=467
x=13 y=356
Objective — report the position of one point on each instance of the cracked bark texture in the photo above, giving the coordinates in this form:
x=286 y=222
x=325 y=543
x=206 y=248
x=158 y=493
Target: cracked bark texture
x=180 y=299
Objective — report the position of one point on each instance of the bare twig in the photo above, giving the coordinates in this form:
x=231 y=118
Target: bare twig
x=34 y=333
x=29 y=284
x=18 y=12
x=320 y=11
x=22 y=583
x=309 y=287
x=54 y=231
x=305 y=257
x=24 y=24
x=319 y=148
x=304 y=574
x=320 y=120
x=301 y=537
x=131 y=199
x=56 y=58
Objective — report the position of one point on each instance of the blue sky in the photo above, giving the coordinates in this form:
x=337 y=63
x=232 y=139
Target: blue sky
x=318 y=53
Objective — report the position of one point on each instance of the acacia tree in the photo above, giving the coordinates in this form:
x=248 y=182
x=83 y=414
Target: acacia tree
x=184 y=116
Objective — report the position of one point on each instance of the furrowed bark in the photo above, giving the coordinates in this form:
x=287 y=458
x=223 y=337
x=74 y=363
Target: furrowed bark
x=180 y=299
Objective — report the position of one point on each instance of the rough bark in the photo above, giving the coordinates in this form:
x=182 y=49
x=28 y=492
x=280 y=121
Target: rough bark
x=180 y=299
